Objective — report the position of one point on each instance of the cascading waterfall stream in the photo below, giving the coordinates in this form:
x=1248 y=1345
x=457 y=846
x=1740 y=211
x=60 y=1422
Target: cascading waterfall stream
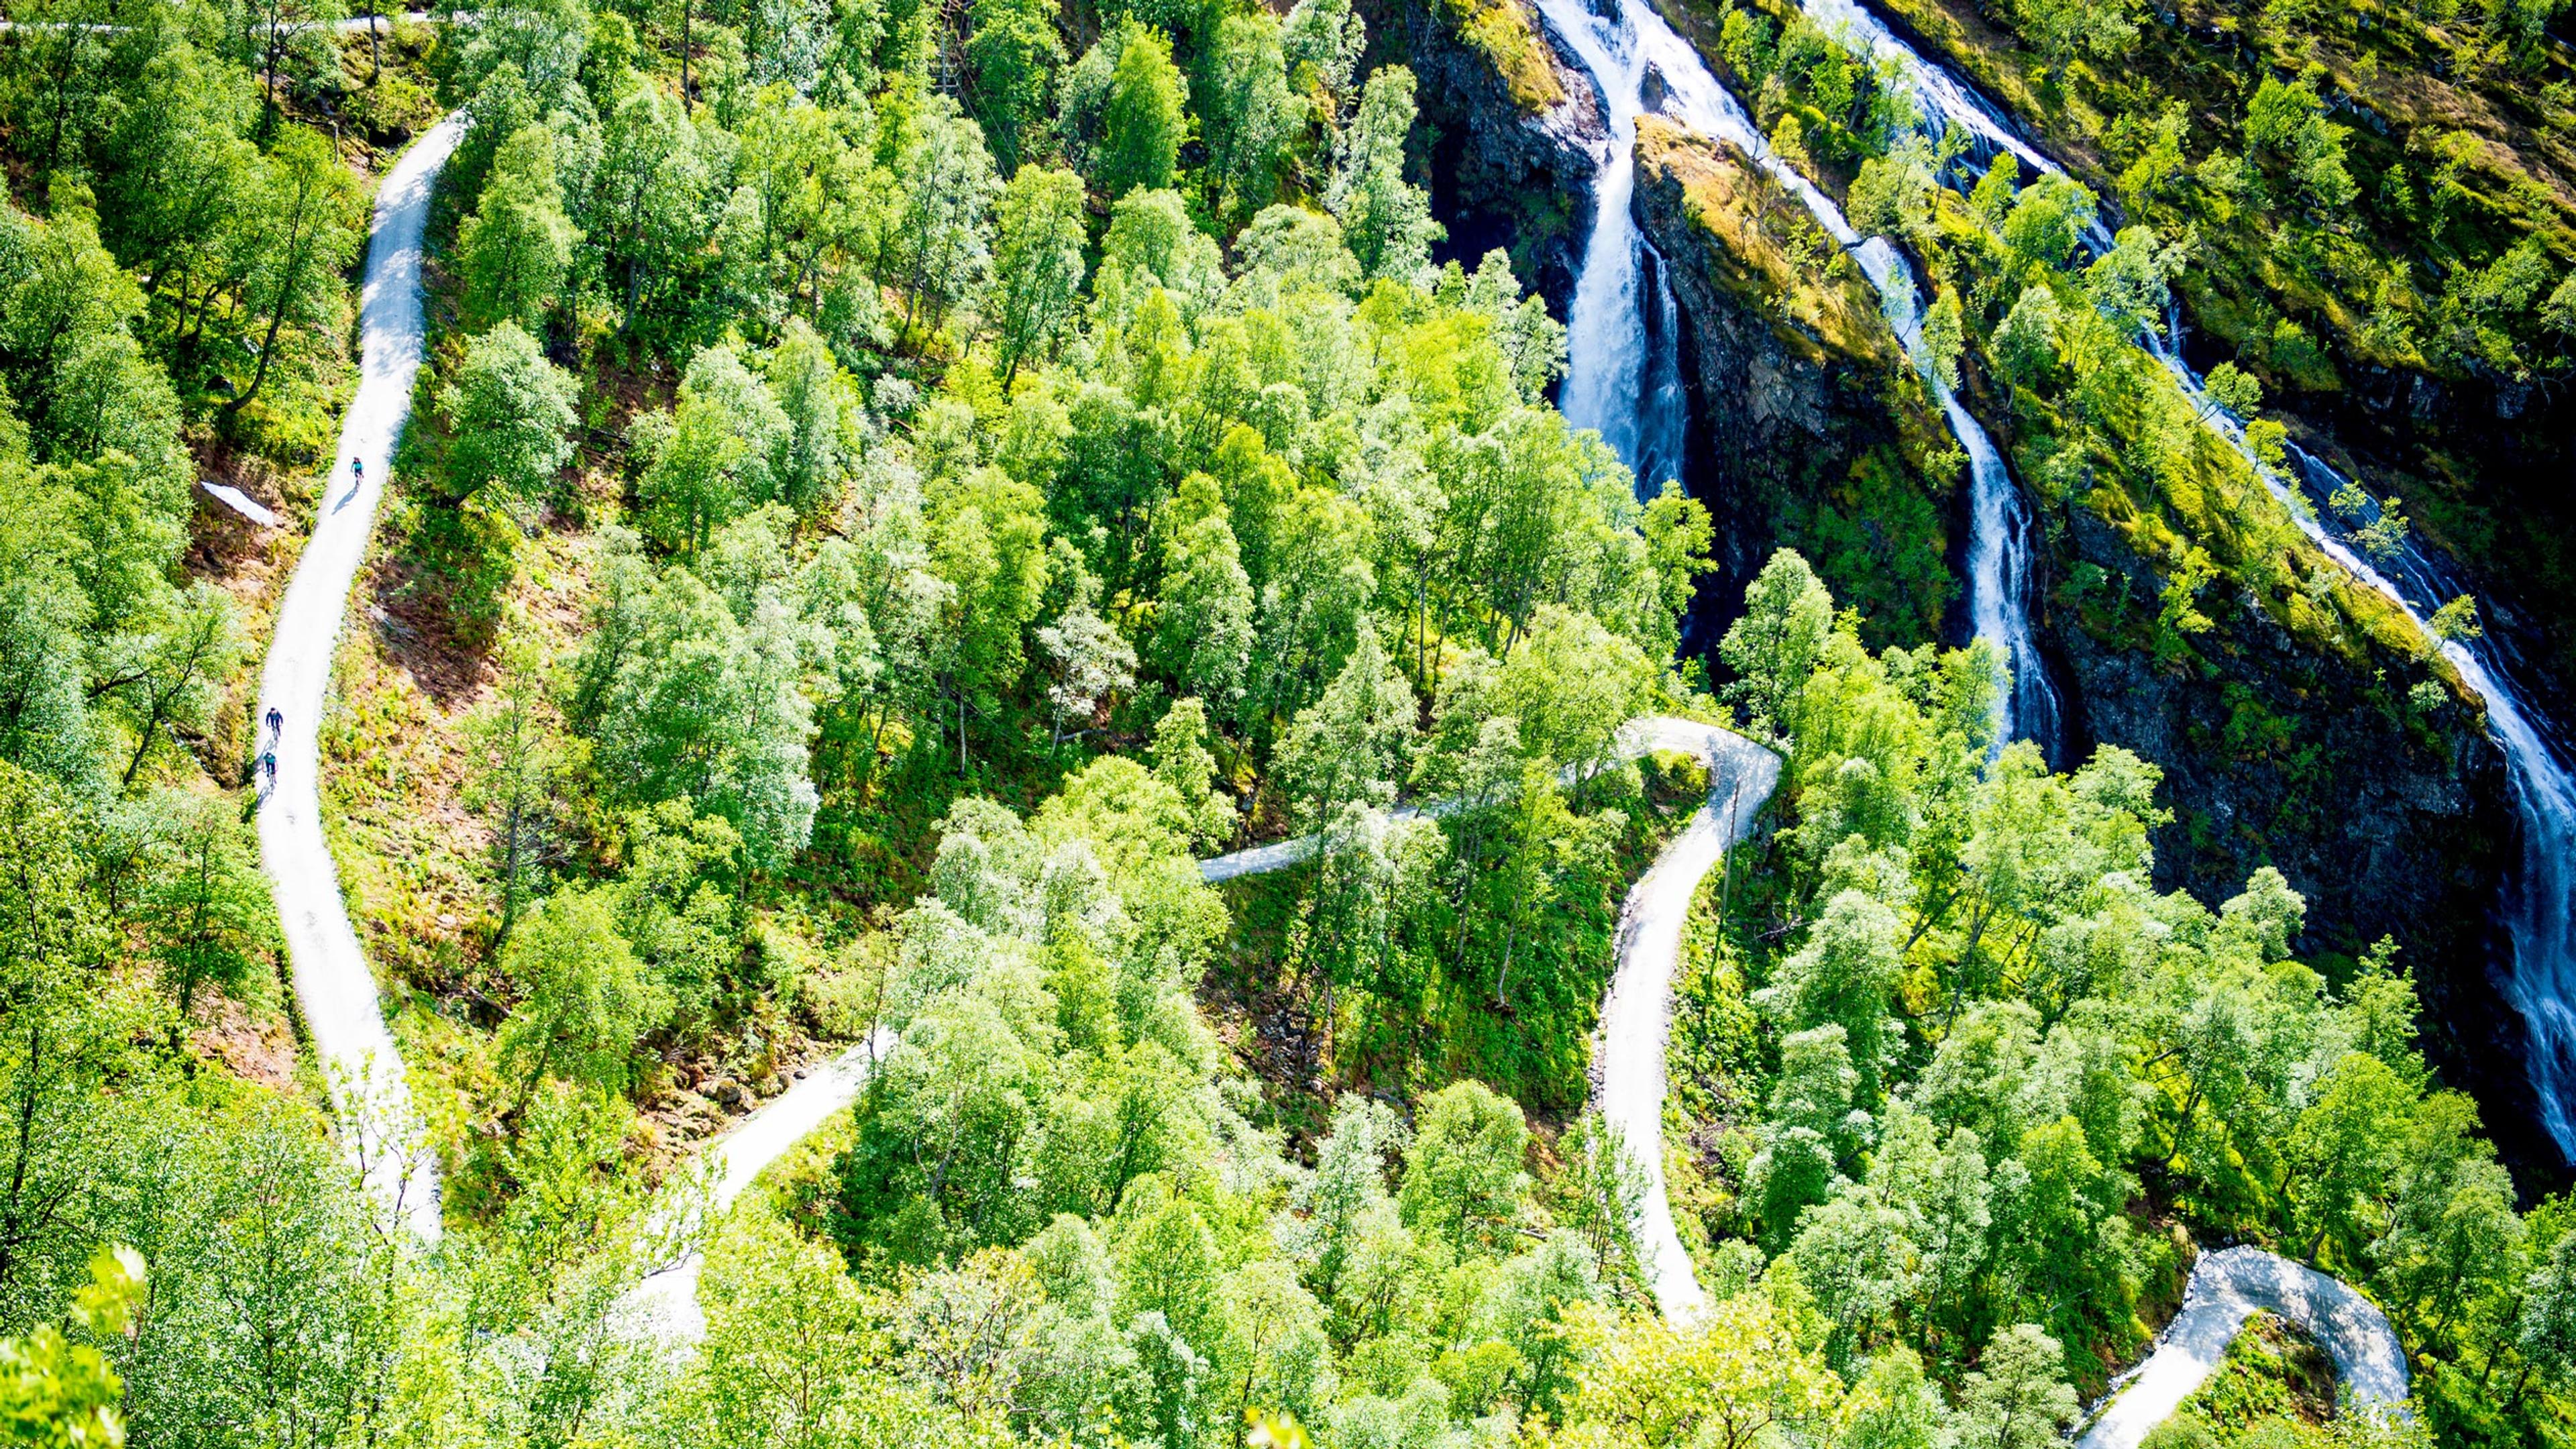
x=2541 y=911
x=1623 y=337
x=1621 y=356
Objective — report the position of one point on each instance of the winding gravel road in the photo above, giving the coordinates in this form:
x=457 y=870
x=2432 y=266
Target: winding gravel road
x=333 y=984
x=1637 y=1015
x=2227 y=1288
x=665 y=1304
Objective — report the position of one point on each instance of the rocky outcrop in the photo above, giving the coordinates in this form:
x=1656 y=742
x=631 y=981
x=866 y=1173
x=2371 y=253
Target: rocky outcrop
x=1809 y=428
x=1516 y=130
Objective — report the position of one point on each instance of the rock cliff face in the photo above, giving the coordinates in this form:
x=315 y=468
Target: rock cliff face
x=1809 y=427
x=2391 y=821
x=1517 y=130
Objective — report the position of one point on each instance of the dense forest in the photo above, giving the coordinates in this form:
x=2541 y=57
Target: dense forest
x=1011 y=555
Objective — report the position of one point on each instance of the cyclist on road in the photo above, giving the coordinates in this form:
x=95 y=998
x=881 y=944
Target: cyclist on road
x=268 y=766
x=276 y=721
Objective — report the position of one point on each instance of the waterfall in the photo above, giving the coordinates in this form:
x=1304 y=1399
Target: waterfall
x=1623 y=337
x=2540 y=912
x=1622 y=353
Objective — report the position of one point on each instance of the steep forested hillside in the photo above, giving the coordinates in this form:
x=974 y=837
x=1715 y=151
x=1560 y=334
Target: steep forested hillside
x=891 y=490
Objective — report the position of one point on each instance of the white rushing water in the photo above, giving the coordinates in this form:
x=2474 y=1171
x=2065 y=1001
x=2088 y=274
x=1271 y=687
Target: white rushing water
x=2541 y=910
x=1623 y=337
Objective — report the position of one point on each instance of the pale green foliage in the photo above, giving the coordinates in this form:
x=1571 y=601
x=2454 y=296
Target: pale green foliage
x=210 y=920
x=585 y=1001
x=1203 y=635
x=1463 y=1182
x=1730 y=1381
x=1892 y=195
x=715 y=454
x=1385 y=218
x=683 y=699
x=2019 y=1398
x=511 y=415
x=93 y=632
x=2067 y=29
x=1845 y=975
x=2025 y=344
x=1945 y=336
x=1772 y=648
x=938 y=248
x=2456 y=620
x=1255 y=117
x=517 y=247
x=1091 y=663
x=2129 y=282
x=1152 y=242
x=307 y=229
x=1355 y=743
x=1015 y=51
x=1182 y=761
x=2545 y=1333
x=519 y=782
x=810 y=390
x=2048 y=220
x=56 y=1394
x=1141 y=122
x=1037 y=265
x=1894 y=1406
x=1571 y=685
x=2289 y=119
x=1297 y=248
x=2238 y=391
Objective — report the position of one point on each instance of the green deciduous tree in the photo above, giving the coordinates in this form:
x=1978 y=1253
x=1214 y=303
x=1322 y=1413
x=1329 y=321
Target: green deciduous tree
x=1203 y=631
x=1355 y=743
x=2067 y=29
x=1775 y=645
x=684 y=701
x=939 y=247
x=1037 y=266
x=2018 y=1398
x=165 y=675
x=56 y=1394
x=210 y=920
x=1142 y=123
x=1385 y=218
x=304 y=229
x=1015 y=51
x=511 y=415
x=716 y=454
x=517 y=247
x=585 y=1001
x=1463 y=1180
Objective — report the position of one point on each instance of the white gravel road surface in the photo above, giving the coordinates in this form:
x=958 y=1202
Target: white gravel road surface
x=334 y=986
x=1636 y=1017
x=2227 y=1288
x=665 y=1304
